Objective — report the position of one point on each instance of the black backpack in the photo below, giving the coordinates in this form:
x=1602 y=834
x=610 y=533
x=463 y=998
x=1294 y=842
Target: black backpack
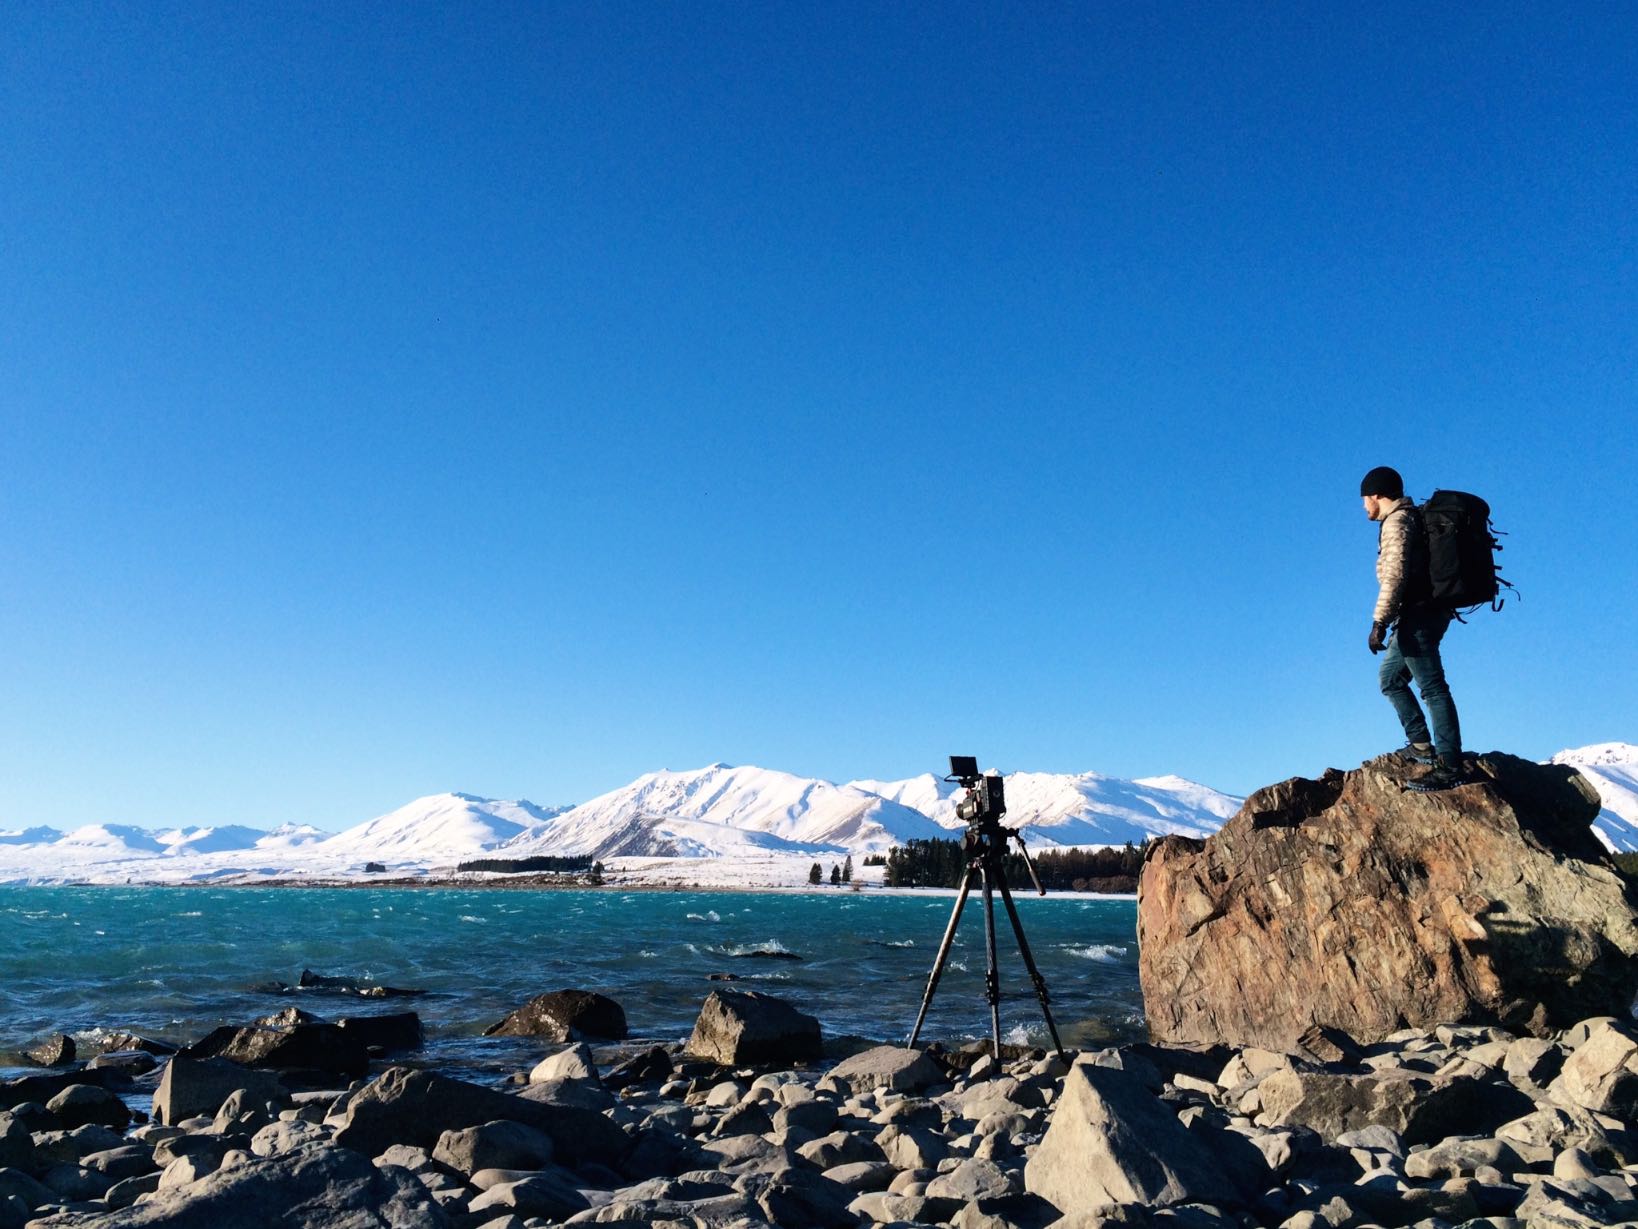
x=1462 y=546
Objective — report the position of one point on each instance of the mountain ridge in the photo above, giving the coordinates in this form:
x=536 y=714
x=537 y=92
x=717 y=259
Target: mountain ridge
x=721 y=811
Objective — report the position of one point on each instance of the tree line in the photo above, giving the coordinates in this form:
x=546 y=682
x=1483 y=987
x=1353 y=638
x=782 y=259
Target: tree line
x=941 y=864
x=575 y=864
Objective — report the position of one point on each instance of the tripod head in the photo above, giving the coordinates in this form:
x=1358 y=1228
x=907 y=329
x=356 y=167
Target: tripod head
x=984 y=805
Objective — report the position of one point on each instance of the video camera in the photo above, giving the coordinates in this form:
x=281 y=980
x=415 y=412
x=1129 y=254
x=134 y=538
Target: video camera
x=986 y=796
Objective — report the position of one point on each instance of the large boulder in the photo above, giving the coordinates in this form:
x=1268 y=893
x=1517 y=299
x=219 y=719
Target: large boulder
x=891 y=1067
x=1350 y=903
x=402 y=1106
x=565 y=1015
x=311 y=1188
x=307 y=1045
x=189 y=1087
x=739 y=1028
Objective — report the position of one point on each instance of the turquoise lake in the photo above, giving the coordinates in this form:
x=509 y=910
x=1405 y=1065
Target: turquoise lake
x=176 y=962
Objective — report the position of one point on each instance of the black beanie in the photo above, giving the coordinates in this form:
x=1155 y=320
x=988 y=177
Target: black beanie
x=1383 y=481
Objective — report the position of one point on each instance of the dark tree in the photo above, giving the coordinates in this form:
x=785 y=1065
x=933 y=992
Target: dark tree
x=835 y=875
x=847 y=869
x=815 y=874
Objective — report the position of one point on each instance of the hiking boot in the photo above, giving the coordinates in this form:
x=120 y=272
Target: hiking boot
x=1412 y=753
x=1441 y=778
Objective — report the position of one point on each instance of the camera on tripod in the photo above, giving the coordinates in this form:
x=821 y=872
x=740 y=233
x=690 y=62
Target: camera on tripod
x=985 y=851
x=986 y=796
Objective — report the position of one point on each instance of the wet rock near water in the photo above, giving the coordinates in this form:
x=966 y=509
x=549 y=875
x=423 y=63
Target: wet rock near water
x=743 y=1027
x=57 y=1050
x=321 y=983
x=565 y=1015
x=1348 y=903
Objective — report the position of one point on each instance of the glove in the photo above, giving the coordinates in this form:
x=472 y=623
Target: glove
x=1379 y=637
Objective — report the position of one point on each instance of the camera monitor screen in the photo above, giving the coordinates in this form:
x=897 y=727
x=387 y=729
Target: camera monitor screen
x=963 y=765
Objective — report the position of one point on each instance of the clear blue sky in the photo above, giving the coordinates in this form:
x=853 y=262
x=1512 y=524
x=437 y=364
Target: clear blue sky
x=516 y=399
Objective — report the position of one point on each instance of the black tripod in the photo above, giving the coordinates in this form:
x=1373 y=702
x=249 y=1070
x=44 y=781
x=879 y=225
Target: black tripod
x=985 y=848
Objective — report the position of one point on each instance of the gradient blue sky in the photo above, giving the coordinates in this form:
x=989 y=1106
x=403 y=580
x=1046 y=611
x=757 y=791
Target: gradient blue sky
x=516 y=399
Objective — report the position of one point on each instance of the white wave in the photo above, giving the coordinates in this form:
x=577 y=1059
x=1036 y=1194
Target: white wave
x=1106 y=952
x=481 y=921
x=710 y=915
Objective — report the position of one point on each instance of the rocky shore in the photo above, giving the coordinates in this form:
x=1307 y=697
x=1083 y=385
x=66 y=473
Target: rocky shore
x=746 y=1125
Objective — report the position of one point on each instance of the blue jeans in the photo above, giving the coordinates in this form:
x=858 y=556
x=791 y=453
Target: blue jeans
x=1414 y=654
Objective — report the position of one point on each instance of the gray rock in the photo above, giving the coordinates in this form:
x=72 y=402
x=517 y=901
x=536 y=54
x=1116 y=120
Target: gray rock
x=565 y=1015
x=574 y=1063
x=76 y=1183
x=128 y=1190
x=747 y=1118
x=403 y=1106
x=1541 y=1135
x=548 y=1195
x=27 y=1190
x=211 y=1147
x=128 y=1062
x=494 y=1145
x=862 y=1176
x=127 y=1161
x=817 y=1117
x=974 y=1179
x=1601 y=1074
x=801 y=1205
x=313 y=1046
x=16 y=1143
x=278 y=1138
x=840 y=1148
x=742 y=1154
x=399 y=1030
x=912 y=1147
x=579 y=1094
x=895 y=1067
x=1570 y=1202
x=1459 y=1157
x=58 y=1050
x=52 y=1146
x=1112 y=1141
x=191 y=1086
x=317 y=1188
x=1417 y=1108
x=743 y=1028
x=1533 y=1061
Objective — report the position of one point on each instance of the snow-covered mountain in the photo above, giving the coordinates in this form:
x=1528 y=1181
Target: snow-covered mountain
x=30 y=836
x=1078 y=809
x=723 y=809
x=1613 y=770
x=437 y=828
x=732 y=817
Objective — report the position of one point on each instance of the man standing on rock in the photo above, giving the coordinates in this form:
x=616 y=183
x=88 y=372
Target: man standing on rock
x=1408 y=628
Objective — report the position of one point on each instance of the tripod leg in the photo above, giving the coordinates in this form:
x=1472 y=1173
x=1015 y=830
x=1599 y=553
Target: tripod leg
x=1029 y=963
x=943 y=955
x=992 y=979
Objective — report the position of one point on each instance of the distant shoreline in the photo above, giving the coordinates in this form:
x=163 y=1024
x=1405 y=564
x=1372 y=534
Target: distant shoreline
x=547 y=883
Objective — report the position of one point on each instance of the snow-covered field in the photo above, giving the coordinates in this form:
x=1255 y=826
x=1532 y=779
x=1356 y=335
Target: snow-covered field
x=717 y=826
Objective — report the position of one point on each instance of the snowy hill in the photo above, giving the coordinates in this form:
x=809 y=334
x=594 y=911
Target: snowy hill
x=1080 y=809
x=180 y=842
x=30 y=836
x=723 y=810
x=437 y=828
x=1613 y=770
